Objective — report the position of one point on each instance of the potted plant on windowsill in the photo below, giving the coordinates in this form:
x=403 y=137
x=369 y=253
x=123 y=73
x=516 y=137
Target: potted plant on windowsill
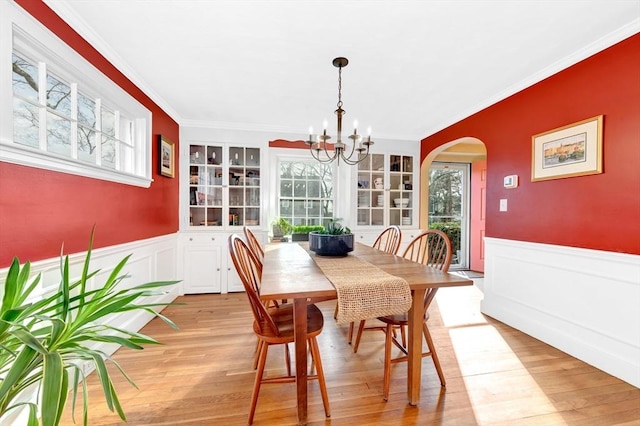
x=281 y=229
x=333 y=240
x=301 y=232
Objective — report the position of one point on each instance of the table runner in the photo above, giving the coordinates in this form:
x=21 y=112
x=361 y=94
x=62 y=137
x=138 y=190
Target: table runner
x=364 y=290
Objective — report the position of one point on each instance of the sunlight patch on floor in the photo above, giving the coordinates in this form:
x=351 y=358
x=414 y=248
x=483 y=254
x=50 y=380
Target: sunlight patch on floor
x=460 y=306
x=498 y=385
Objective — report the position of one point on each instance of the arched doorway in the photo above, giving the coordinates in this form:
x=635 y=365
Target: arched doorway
x=453 y=179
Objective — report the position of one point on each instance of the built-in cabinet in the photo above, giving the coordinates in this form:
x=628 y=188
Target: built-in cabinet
x=224 y=186
x=223 y=192
x=385 y=191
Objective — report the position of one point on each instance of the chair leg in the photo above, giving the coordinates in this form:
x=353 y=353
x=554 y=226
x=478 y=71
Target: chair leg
x=358 y=336
x=403 y=334
x=262 y=359
x=312 y=364
x=350 y=332
x=315 y=355
x=287 y=358
x=387 y=362
x=335 y=312
x=259 y=344
x=434 y=356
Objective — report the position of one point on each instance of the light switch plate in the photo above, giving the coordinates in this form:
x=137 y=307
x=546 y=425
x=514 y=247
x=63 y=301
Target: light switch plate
x=503 y=205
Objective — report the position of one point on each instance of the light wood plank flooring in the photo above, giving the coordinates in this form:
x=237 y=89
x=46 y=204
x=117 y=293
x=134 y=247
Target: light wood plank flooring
x=202 y=375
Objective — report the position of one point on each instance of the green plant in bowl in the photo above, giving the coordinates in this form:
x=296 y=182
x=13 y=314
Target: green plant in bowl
x=334 y=227
x=334 y=240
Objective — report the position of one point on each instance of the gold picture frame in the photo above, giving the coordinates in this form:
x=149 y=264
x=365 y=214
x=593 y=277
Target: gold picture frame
x=167 y=157
x=568 y=151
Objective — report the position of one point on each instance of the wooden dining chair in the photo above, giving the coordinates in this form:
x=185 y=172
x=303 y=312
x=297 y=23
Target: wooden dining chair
x=388 y=241
x=274 y=326
x=431 y=248
x=253 y=243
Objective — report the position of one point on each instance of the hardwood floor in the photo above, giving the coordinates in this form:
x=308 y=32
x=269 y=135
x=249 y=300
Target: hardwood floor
x=202 y=375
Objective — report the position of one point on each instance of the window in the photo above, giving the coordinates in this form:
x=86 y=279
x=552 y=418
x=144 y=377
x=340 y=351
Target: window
x=306 y=192
x=66 y=115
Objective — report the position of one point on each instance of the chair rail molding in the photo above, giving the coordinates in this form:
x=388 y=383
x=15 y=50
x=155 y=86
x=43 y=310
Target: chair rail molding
x=584 y=302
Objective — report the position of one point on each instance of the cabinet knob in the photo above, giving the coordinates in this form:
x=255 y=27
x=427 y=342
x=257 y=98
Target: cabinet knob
x=218 y=269
x=190 y=238
x=213 y=238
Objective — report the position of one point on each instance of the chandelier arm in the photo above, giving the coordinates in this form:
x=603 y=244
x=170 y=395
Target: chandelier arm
x=351 y=162
x=315 y=153
x=353 y=148
x=330 y=157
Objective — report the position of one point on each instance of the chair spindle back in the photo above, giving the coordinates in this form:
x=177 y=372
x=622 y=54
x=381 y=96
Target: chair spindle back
x=389 y=240
x=432 y=248
x=250 y=271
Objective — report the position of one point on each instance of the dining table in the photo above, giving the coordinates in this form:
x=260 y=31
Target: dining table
x=290 y=272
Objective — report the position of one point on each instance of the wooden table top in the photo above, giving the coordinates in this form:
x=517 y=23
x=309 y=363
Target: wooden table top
x=289 y=272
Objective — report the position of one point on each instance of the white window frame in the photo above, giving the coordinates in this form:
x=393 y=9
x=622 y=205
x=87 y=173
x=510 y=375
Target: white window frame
x=298 y=159
x=20 y=31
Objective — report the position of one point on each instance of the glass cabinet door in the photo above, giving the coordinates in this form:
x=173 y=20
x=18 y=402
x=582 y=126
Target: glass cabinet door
x=205 y=185
x=371 y=194
x=385 y=192
x=401 y=190
x=215 y=179
x=244 y=186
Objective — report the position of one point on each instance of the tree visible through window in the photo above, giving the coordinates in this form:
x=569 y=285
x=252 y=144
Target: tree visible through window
x=306 y=192
x=90 y=132
x=65 y=114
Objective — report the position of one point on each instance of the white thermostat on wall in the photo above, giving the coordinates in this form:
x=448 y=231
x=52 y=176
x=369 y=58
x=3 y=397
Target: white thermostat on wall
x=511 y=181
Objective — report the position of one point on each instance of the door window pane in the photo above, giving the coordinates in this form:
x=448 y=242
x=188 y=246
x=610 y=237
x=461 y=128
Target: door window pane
x=448 y=187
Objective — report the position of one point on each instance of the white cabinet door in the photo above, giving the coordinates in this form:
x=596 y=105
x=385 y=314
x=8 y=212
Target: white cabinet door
x=233 y=280
x=202 y=268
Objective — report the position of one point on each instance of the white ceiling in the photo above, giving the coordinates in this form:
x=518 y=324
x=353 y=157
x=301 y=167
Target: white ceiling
x=415 y=66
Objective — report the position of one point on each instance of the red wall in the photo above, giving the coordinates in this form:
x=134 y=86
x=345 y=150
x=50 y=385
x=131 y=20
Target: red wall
x=40 y=209
x=598 y=211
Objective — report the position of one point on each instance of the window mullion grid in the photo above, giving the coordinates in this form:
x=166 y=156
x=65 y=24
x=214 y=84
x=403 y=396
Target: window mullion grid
x=98 y=134
x=117 y=142
x=74 y=121
x=42 y=107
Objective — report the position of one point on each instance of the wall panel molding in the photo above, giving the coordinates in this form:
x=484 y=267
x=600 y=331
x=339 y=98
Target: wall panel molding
x=581 y=301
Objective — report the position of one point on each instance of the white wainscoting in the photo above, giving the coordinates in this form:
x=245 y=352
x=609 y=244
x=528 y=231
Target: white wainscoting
x=153 y=259
x=583 y=302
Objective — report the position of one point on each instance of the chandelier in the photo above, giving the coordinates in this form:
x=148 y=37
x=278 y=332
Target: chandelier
x=352 y=153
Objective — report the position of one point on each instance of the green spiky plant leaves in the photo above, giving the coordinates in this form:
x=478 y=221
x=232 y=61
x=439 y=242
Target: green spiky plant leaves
x=334 y=227
x=47 y=342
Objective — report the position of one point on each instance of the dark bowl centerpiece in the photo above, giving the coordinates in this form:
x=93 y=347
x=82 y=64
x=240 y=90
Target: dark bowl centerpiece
x=334 y=240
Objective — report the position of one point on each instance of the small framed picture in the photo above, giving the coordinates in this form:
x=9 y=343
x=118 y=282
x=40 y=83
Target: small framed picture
x=167 y=157
x=568 y=151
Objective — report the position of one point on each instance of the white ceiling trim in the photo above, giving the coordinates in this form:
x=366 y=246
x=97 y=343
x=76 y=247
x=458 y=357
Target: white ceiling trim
x=68 y=14
x=63 y=10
